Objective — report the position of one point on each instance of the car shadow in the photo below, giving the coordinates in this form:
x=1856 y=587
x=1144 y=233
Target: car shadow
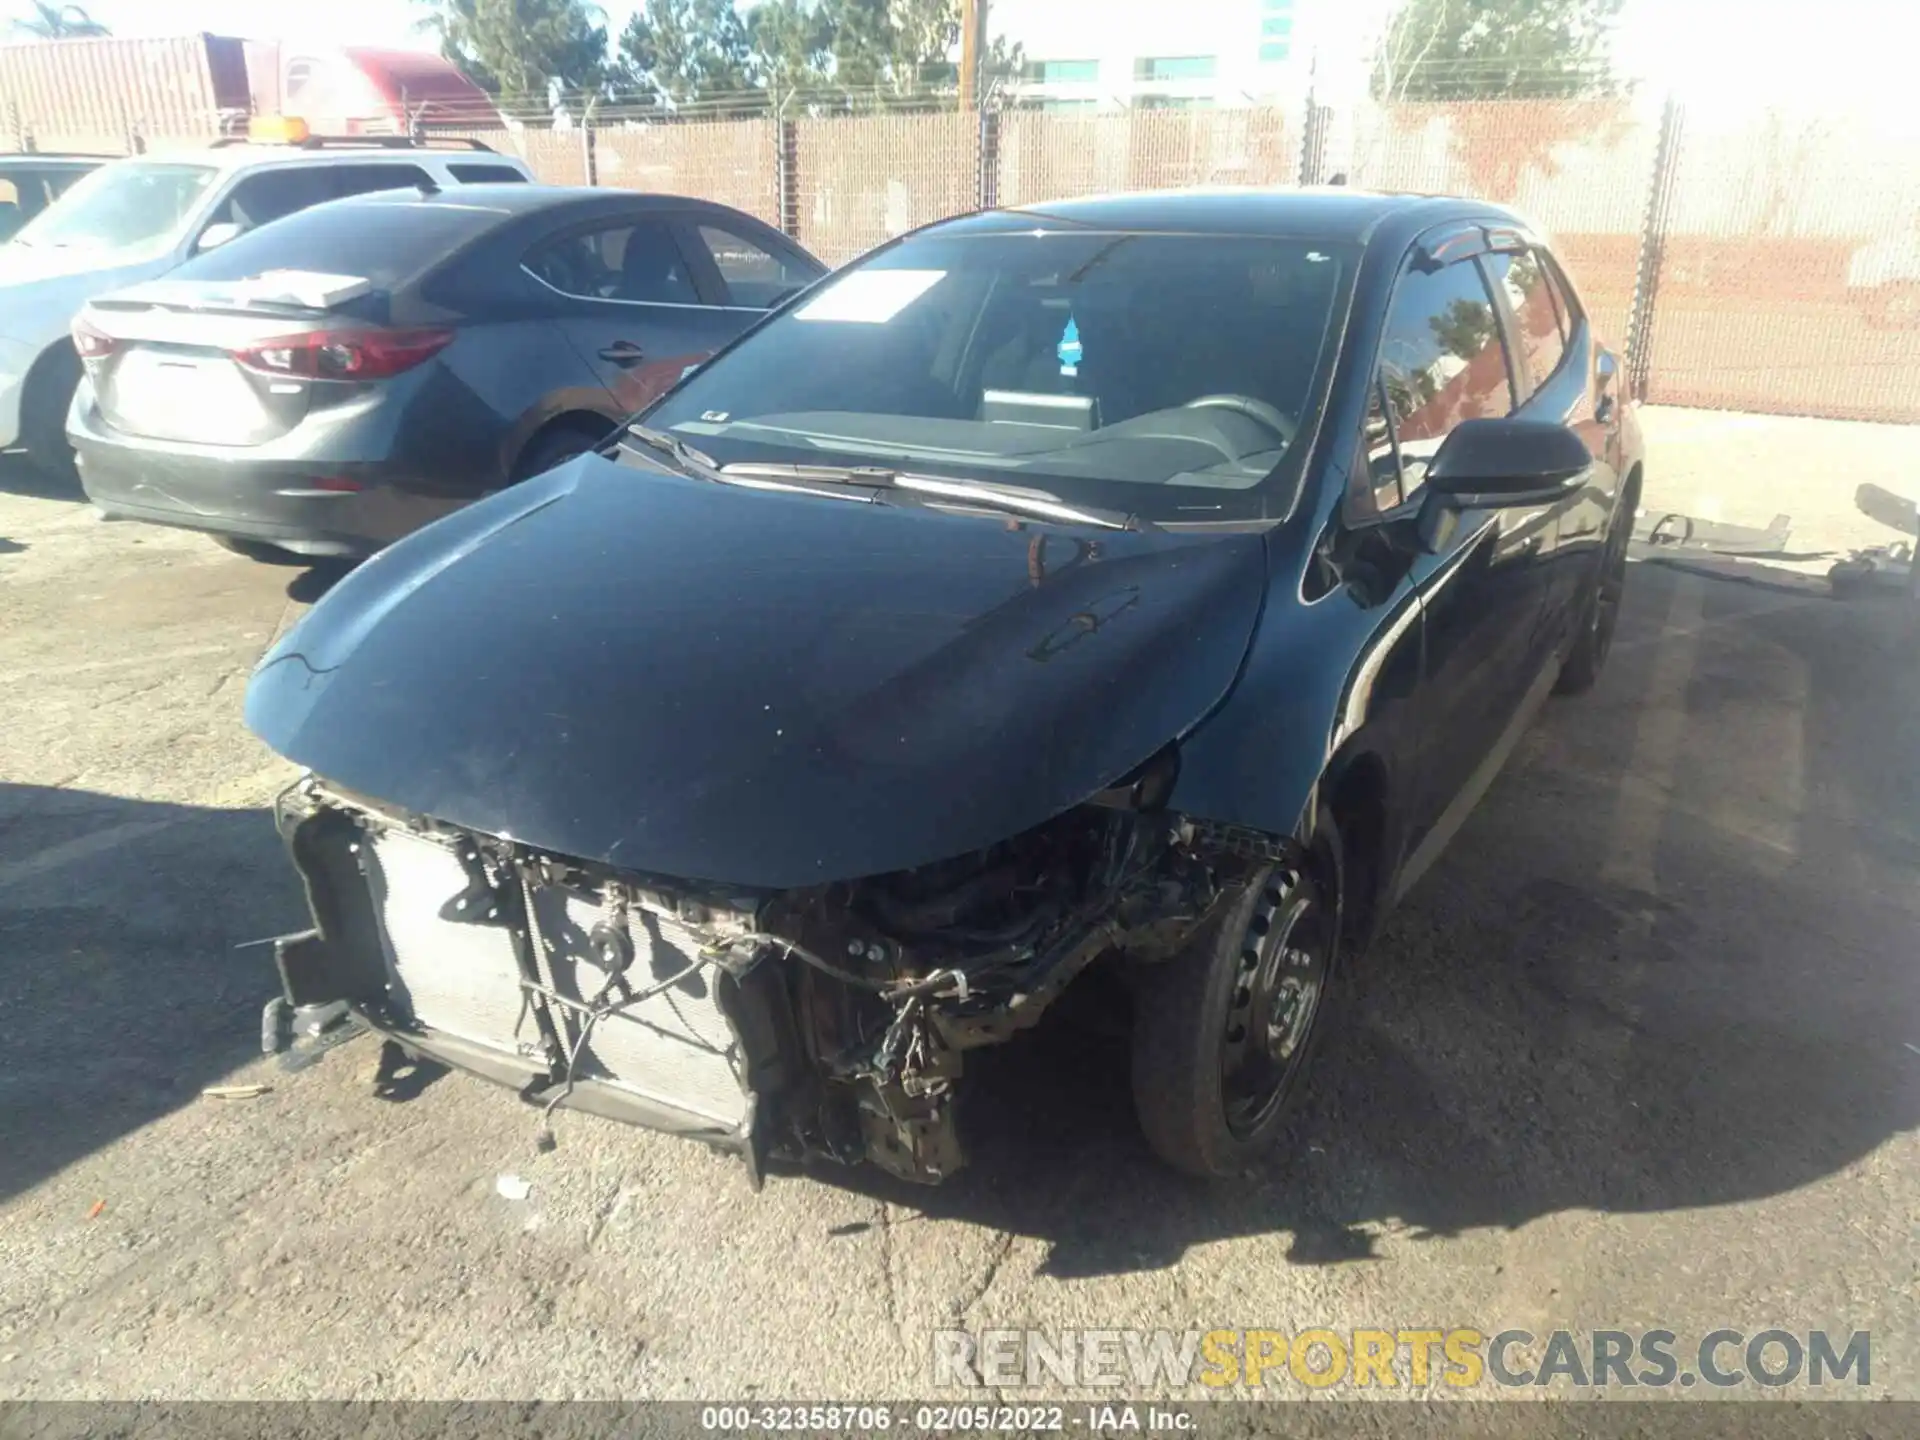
x=1667 y=964
x=118 y=968
x=320 y=576
x=18 y=477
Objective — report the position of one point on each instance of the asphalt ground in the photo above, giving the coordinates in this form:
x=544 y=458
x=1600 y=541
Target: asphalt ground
x=1642 y=1051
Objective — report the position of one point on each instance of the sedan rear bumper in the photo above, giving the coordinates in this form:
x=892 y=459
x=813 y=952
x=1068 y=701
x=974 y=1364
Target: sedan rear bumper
x=295 y=506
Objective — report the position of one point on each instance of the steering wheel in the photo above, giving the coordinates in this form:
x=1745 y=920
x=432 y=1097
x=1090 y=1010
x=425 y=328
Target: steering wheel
x=1253 y=409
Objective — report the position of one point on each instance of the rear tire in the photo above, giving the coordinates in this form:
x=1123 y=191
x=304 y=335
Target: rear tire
x=43 y=413
x=1600 y=616
x=551 y=448
x=259 y=550
x=1225 y=1034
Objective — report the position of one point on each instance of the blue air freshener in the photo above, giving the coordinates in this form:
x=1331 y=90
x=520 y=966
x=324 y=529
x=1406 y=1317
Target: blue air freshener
x=1070 y=350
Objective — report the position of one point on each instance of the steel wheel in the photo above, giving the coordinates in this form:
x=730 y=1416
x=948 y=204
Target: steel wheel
x=1285 y=962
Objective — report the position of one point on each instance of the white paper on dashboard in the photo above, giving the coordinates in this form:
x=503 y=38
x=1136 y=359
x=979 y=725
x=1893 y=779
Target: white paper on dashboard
x=870 y=297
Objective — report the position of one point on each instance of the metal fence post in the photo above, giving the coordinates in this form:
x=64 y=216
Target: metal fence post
x=988 y=192
x=1313 y=142
x=1653 y=244
x=786 y=163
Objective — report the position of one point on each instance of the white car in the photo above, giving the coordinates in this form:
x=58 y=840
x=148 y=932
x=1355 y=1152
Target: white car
x=136 y=219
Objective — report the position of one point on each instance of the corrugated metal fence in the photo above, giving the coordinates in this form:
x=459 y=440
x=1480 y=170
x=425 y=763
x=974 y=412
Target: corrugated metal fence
x=1769 y=262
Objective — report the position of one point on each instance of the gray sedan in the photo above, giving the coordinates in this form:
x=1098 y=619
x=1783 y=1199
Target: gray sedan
x=336 y=379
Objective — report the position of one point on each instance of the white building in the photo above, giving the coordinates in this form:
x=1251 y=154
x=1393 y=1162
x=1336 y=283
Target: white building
x=1108 y=54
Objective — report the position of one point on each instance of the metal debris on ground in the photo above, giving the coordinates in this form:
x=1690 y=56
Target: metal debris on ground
x=1883 y=567
x=1687 y=532
x=300 y=1035
x=236 y=1092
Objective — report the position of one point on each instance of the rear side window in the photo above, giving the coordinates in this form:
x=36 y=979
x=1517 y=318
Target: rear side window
x=270 y=195
x=365 y=179
x=1441 y=362
x=755 y=276
x=469 y=174
x=1536 y=314
x=634 y=261
x=385 y=242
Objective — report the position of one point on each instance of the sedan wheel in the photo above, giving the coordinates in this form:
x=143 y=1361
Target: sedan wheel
x=1224 y=1034
x=1583 y=664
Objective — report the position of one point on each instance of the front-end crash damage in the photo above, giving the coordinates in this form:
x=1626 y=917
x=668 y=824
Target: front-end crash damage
x=828 y=1022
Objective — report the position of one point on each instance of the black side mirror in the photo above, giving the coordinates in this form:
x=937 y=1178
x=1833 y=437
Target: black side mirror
x=1497 y=464
x=1491 y=463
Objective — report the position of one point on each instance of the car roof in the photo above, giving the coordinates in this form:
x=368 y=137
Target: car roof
x=529 y=199
x=1328 y=214
x=41 y=160
x=243 y=156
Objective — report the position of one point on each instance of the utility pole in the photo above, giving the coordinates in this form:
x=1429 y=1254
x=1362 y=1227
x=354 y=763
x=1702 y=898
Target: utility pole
x=973 y=50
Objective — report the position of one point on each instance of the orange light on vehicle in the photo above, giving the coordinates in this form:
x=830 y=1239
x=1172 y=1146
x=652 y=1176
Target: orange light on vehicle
x=278 y=129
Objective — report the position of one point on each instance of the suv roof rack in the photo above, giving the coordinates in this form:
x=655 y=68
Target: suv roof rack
x=363 y=142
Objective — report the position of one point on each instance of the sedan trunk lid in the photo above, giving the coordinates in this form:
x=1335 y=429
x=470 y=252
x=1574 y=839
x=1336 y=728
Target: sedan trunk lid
x=195 y=361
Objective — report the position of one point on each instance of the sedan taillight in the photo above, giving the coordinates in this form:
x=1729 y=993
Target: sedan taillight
x=91 y=343
x=344 y=354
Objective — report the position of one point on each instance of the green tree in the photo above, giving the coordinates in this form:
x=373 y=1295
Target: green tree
x=1465 y=328
x=523 y=49
x=684 y=52
x=791 y=43
x=59 y=22
x=1479 y=49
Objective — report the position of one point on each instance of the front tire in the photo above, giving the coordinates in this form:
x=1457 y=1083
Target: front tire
x=1225 y=1034
x=47 y=397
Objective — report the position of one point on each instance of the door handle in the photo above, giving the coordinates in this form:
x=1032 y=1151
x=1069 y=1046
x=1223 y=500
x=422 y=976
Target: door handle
x=623 y=352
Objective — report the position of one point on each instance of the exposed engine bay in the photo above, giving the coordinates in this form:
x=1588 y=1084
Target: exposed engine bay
x=797 y=1025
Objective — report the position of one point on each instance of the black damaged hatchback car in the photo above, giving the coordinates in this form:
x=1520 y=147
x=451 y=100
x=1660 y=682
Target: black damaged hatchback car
x=1130 y=592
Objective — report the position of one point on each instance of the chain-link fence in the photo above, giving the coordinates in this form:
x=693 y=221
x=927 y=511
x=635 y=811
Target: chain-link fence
x=1767 y=263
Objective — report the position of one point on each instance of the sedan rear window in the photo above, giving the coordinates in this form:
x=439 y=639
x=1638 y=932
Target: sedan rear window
x=1164 y=374
x=386 y=243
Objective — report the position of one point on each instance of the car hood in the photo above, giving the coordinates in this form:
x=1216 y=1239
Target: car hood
x=703 y=681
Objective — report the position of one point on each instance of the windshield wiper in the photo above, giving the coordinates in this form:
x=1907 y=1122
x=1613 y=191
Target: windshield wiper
x=977 y=492
x=689 y=460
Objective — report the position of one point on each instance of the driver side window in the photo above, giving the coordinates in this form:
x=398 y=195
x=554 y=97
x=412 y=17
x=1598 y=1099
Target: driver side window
x=1441 y=361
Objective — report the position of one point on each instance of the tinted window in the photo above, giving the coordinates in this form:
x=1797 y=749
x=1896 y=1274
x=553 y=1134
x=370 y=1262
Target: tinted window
x=1164 y=374
x=754 y=275
x=365 y=179
x=628 y=261
x=385 y=242
x=1441 y=362
x=1536 y=316
x=468 y=174
x=1381 y=489
x=272 y=194
x=1563 y=296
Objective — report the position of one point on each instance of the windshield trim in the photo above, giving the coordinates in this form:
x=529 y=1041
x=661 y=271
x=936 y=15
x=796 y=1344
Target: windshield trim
x=1300 y=457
